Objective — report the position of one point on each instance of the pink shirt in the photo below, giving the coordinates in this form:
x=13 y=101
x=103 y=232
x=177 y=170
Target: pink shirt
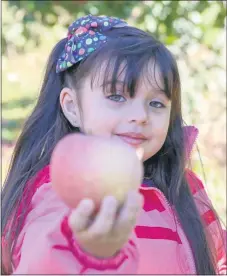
x=157 y=245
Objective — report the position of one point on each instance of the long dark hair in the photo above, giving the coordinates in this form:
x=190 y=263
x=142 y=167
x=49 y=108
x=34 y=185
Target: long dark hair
x=134 y=49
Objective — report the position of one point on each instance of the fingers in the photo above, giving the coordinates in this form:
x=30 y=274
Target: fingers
x=106 y=221
x=105 y=218
x=80 y=217
x=129 y=213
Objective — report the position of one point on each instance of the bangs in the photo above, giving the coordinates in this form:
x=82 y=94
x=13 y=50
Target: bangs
x=131 y=59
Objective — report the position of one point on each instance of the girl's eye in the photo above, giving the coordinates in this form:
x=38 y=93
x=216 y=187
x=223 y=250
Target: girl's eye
x=116 y=98
x=157 y=104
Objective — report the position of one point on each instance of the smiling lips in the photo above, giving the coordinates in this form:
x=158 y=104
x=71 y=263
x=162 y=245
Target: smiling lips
x=133 y=138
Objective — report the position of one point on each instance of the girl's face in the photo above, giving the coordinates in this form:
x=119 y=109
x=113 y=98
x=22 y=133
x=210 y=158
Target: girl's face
x=120 y=117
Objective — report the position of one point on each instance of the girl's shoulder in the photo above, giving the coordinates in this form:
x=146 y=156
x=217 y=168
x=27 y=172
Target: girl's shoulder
x=201 y=198
x=43 y=176
x=198 y=191
x=194 y=182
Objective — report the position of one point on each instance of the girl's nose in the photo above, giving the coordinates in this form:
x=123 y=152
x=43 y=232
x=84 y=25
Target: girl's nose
x=138 y=114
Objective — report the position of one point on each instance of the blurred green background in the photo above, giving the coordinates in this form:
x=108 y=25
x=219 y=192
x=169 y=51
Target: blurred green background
x=194 y=31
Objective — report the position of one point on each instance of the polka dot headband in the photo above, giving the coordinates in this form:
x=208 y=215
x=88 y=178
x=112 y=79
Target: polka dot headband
x=84 y=37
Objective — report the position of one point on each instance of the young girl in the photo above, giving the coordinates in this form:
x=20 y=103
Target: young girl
x=111 y=80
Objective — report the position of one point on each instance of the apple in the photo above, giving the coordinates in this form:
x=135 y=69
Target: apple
x=93 y=167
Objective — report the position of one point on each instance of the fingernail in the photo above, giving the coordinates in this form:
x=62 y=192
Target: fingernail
x=110 y=200
x=87 y=204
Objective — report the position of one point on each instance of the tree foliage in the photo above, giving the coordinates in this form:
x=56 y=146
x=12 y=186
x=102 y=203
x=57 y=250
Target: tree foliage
x=167 y=20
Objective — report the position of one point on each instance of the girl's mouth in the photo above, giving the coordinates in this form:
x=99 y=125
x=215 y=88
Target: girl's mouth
x=131 y=139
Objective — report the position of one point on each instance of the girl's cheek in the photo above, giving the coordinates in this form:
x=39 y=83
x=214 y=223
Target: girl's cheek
x=161 y=123
x=102 y=123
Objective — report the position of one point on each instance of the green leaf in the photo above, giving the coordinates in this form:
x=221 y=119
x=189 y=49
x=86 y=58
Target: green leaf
x=170 y=39
x=210 y=36
x=210 y=14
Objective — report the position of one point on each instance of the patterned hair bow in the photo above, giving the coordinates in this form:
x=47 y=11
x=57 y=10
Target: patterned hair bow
x=84 y=37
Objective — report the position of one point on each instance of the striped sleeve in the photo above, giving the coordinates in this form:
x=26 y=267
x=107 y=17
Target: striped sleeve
x=46 y=244
x=210 y=220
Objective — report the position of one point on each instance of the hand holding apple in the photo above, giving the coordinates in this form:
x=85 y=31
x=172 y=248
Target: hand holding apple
x=105 y=234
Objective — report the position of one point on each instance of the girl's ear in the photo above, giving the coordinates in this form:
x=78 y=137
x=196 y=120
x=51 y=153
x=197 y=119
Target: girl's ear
x=70 y=107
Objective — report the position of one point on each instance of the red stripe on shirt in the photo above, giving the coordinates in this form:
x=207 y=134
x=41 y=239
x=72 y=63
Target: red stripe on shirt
x=208 y=217
x=157 y=233
x=151 y=201
x=194 y=182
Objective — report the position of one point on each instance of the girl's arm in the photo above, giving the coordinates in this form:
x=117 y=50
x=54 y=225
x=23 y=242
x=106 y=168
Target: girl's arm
x=213 y=225
x=46 y=244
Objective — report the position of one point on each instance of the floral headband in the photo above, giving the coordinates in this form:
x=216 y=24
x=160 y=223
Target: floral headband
x=85 y=36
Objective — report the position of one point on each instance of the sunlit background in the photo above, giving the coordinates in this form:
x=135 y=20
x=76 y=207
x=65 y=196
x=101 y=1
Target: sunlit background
x=194 y=31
